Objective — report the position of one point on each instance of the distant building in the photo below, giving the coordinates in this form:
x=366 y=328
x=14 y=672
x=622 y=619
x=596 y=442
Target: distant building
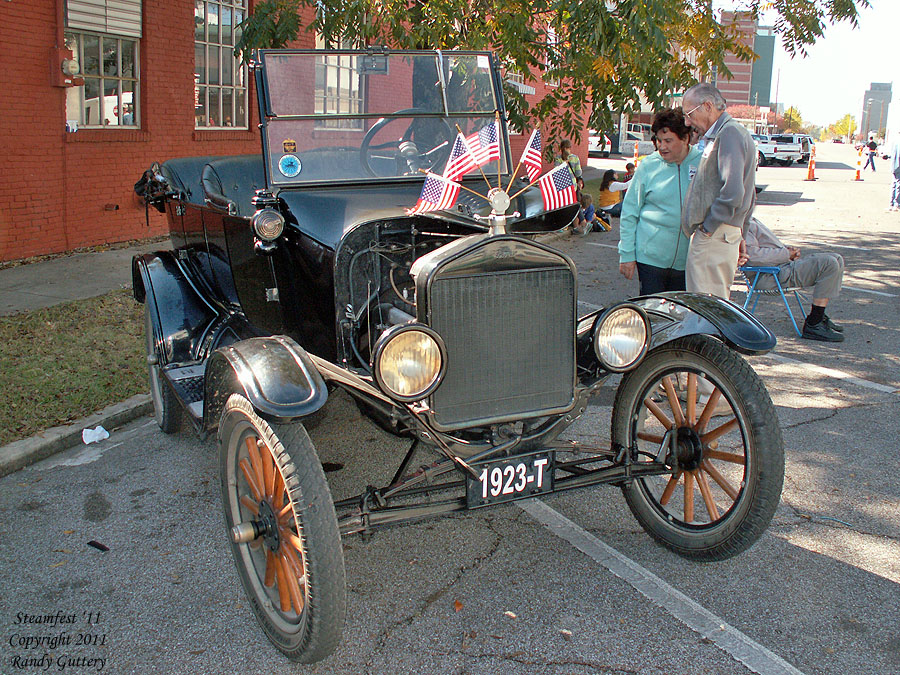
x=736 y=88
x=876 y=103
x=761 y=79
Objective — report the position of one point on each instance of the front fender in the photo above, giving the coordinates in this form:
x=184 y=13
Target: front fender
x=676 y=314
x=274 y=373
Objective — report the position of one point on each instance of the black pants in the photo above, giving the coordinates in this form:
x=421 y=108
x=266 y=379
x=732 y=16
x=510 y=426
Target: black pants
x=659 y=279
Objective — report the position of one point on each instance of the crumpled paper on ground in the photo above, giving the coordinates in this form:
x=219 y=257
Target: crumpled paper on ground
x=98 y=433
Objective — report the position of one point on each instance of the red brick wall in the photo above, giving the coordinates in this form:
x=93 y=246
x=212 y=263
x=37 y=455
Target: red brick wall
x=60 y=191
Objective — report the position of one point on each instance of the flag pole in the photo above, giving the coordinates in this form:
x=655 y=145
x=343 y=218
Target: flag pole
x=431 y=174
x=497 y=120
x=519 y=165
x=469 y=150
x=536 y=180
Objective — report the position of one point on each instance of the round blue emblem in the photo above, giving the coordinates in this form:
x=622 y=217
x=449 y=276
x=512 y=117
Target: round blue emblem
x=289 y=165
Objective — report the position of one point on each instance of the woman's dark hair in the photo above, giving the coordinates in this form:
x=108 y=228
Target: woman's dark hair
x=608 y=177
x=673 y=120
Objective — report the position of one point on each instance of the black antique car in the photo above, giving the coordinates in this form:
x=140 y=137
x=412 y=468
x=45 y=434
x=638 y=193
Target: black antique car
x=302 y=269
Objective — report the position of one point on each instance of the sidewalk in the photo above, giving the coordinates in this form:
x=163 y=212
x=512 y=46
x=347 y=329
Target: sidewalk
x=51 y=282
x=68 y=277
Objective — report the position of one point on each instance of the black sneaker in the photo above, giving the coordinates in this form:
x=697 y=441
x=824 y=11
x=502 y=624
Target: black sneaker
x=832 y=325
x=821 y=332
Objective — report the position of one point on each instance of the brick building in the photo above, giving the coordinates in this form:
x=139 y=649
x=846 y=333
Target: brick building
x=96 y=90
x=736 y=89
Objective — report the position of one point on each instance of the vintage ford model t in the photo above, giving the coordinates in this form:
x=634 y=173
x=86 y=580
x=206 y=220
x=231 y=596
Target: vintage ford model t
x=303 y=269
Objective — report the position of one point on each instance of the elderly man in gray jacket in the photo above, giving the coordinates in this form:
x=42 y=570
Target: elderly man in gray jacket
x=722 y=194
x=823 y=272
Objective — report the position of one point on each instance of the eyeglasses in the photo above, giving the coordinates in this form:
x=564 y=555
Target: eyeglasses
x=692 y=110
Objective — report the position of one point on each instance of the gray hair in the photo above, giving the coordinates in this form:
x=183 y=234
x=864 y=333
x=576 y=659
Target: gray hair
x=703 y=92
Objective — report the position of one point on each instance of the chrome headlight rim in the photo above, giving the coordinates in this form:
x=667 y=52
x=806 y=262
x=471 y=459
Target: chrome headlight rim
x=267 y=224
x=389 y=336
x=606 y=316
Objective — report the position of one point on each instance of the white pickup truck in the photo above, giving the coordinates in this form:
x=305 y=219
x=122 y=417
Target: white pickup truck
x=785 y=149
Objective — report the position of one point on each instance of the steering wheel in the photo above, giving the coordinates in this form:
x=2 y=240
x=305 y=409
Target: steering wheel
x=406 y=151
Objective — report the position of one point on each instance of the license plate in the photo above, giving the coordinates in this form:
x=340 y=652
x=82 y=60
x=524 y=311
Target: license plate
x=503 y=480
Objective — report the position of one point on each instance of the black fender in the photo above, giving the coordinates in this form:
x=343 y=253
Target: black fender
x=159 y=281
x=676 y=314
x=274 y=373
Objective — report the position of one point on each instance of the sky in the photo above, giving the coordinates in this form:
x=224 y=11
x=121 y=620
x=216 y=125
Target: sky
x=832 y=80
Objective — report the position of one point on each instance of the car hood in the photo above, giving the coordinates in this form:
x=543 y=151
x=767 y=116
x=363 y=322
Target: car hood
x=326 y=213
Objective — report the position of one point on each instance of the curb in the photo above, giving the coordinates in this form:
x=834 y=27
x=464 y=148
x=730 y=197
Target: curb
x=19 y=454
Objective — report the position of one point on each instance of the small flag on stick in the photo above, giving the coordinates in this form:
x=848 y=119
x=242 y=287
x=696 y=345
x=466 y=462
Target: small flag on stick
x=531 y=156
x=438 y=194
x=557 y=188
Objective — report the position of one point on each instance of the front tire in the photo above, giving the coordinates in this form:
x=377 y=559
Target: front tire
x=761 y=159
x=291 y=564
x=732 y=452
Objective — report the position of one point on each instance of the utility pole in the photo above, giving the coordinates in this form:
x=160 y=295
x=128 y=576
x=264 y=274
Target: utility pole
x=777 y=82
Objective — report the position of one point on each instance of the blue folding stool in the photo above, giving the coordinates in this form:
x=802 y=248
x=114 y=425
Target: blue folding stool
x=753 y=291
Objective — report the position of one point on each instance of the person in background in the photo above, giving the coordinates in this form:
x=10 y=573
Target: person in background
x=872 y=148
x=566 y=155
x=895 y=169
x=650 y=238
x=609 y=199
x=823 y=272
x=722 y=194
x=629 y=172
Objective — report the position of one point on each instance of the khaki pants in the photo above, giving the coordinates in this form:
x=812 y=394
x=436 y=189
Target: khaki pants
x=712 y=260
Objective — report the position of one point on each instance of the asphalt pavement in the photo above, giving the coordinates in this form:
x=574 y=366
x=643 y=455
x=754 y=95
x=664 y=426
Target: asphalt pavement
x=566 y=585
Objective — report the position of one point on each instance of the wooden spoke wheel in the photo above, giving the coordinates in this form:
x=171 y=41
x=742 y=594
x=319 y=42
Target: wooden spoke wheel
x=166 y=408
x=284 y=532
x=698 y=407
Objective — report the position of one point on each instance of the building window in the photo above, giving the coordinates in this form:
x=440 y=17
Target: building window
x=110 y=94
x=552 y=57
x=338 y=90
x=220 y=80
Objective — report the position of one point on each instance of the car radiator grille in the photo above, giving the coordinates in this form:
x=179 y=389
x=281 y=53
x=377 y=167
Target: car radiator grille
x=510 y=339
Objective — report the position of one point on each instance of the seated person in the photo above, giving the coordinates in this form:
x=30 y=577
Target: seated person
x=588 y=220
x=823 y=272
x=629 y=172
x=609 y=199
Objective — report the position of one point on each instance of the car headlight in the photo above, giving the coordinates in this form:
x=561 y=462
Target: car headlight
x=267 y=224
x=621 y=336
x=409 y=361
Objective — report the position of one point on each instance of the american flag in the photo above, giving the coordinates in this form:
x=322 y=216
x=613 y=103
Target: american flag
x=485 y=145
x=461 y=160
x=557 y=188
x=531 y=157
x=437 y=194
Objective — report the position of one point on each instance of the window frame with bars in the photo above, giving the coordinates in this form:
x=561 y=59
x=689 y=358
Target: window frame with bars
x=236 y=90
x=77 y=100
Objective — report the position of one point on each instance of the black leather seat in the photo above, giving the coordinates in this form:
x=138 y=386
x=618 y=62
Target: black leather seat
x=183 y=173
x=230 y=183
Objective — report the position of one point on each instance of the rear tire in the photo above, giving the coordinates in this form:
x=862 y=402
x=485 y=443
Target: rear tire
x=166 y=407
x=293 y=569
x=761 y=159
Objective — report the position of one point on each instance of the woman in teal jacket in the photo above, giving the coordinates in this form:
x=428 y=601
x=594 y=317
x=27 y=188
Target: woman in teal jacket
x=650 y=236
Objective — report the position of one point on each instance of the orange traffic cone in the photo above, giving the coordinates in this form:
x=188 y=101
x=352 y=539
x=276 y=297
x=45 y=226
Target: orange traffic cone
x=635 y=151
x=859 y=164
x=811 y=173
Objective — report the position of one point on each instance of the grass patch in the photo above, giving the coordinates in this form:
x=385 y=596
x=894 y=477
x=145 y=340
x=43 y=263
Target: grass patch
x=65 y=362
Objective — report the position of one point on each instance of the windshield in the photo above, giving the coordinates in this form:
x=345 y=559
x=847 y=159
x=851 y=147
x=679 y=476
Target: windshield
x=350 y=115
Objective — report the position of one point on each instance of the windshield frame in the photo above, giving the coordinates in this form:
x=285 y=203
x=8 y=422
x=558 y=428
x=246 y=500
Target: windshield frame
x=268 y=115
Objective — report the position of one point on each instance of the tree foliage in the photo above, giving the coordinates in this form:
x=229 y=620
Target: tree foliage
x=793 y=121
x=843 y=128
x=606 y=54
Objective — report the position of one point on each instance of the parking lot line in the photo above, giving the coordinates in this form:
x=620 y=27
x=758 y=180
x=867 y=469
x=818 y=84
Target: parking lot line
x=866 y=290
x=755 y=656
x=592 y=243
x=837 y=374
